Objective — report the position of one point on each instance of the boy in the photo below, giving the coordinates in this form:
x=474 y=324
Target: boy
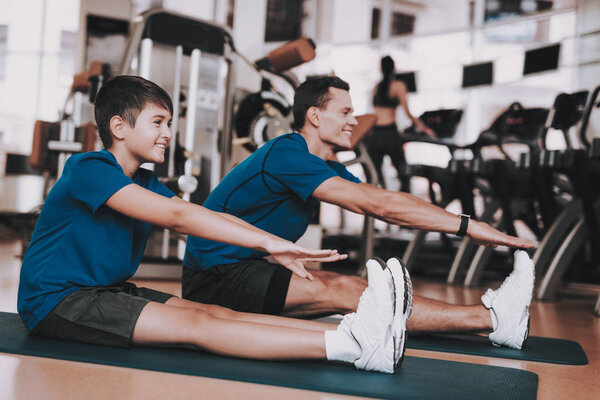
x=275 y=189
x=92 y=231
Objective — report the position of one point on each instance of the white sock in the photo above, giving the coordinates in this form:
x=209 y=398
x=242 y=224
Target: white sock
x=340 y=347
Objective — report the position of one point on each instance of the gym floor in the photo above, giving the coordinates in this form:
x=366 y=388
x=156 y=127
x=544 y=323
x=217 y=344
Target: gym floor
x=27 y=377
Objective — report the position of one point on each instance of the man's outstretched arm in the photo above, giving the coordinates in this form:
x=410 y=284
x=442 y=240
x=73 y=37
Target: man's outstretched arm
x=407 y=210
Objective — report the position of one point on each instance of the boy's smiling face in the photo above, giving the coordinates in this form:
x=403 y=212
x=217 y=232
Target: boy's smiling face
x=148 y=140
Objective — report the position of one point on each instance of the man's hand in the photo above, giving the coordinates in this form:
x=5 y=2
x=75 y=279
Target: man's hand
x=295 y=257
x=485 y=235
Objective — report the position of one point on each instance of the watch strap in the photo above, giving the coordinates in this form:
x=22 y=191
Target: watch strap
x=464 y=224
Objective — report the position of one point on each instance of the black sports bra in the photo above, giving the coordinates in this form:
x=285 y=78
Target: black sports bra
x=383 y=99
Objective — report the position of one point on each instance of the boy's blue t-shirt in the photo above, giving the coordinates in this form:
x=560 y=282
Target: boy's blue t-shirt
x=78 y=241
x=271 y=190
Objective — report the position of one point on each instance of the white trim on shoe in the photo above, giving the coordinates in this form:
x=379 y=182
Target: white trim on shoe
x=403 y=309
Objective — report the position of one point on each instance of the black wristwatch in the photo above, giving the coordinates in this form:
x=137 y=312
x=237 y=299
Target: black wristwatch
x=464 y=223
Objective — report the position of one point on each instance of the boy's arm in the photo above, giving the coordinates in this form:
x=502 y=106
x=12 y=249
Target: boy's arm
x=407 y=210
x=191 y=219
x=237 y=220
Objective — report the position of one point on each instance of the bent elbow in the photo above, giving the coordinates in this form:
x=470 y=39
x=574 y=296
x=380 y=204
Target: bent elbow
x=175 y=220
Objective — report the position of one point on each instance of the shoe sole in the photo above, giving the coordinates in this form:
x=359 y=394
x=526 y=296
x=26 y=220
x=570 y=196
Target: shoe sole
x=407 y=302
x=526 y=333
x=384 y=267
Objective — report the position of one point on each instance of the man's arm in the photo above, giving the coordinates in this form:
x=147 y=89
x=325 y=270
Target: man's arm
x=191 y=219
x=407 y=210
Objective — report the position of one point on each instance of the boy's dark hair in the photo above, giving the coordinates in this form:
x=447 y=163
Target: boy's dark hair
x=126 y=96
x=314 y=92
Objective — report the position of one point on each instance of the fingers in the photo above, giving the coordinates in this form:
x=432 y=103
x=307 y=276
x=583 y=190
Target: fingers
x=298 y=268
x=518 y=242
x=332 y=258
x=488 y=236
x=317 y=252
x=509 y=241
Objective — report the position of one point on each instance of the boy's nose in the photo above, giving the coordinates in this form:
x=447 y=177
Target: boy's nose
x=166 y=132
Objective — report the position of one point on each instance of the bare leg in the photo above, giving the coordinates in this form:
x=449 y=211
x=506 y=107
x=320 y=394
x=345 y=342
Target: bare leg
x=332 y=293
x=163 y=324
x=226 y=313
x=329 y=293
x=430 y=315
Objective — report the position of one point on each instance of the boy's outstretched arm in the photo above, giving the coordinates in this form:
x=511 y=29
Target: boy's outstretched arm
x=192 y=219
x=407 y=210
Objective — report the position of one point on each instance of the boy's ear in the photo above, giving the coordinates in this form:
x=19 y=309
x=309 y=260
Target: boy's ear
x=312 y=115
x=117 y=127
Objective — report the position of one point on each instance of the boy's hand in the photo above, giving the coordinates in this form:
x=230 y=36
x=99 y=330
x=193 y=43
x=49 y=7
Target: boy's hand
x=295 y=257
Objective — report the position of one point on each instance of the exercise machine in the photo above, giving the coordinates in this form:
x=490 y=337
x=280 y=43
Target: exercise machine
x=575 y=238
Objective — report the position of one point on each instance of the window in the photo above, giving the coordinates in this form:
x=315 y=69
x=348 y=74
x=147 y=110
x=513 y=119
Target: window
x=375 y=21
x=3 y=50
x=284 y=20
x=66 y=61
x=402 y=24
x=500 y=9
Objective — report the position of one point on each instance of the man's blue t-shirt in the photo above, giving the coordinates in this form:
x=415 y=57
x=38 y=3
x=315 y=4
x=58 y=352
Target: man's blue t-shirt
x=78 y=241
x=271 y=190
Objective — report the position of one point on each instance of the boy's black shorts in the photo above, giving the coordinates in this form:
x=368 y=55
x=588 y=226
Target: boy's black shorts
x=99 y=315
x=255 y=286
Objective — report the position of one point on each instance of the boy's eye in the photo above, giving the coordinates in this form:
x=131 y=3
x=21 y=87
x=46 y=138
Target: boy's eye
x=169 y=124
x=157 y=122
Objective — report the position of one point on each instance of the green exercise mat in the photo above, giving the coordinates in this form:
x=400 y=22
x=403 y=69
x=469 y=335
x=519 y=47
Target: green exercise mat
x=548 y=350
x=419 y=378
x=541 y=349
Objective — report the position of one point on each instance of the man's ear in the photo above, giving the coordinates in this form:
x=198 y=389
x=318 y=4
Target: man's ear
x=312 y=116
x=117 y=127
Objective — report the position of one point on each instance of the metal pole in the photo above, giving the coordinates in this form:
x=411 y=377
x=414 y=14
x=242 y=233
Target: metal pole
x=174 y=127
x=190 y=127
x=226 y=134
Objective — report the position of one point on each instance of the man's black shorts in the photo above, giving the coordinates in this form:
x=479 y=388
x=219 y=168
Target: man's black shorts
x=99 y=315
x=255 y=286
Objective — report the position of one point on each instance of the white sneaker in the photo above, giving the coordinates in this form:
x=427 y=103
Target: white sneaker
x=509 y=305
x=372 y=324
x=403 y=306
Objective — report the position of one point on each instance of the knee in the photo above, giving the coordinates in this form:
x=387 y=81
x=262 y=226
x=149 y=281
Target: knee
x=199 y=318
x=342 y=290
x=349 y=284
x=220 y=312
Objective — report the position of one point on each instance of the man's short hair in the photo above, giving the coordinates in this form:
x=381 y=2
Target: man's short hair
x=314 y=92
x=126 y=96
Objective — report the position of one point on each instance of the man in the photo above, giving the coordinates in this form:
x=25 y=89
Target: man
x=276 y=188
x=92 y=231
